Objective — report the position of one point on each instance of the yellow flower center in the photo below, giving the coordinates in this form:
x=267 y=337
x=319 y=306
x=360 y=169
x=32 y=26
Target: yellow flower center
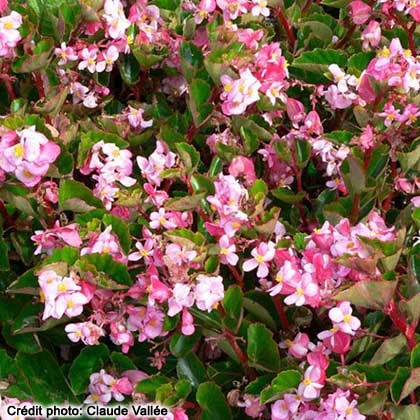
x=279 y=278
x=91 y=61
x=307 y=381
x=386 y=52
x=224 y=251
x=105 y=250
x=8 y=25
x=70 y=304
x=144 y=253
x=61 y=287
x=347 y=318
x=299 y=291
x=162 y=220
x=349 y=410
x=78 y=333
x=19 y=151
x=259 y=259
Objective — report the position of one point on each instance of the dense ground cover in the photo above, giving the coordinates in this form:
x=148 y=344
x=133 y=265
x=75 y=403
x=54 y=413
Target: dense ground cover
x=213 y=206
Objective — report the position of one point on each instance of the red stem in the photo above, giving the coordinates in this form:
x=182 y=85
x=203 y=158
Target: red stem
x=286 y=27
x=393 y=311
x=387 y=202
x=239 y=279
x=355 y=208
x=281 y=312
x=409 y=32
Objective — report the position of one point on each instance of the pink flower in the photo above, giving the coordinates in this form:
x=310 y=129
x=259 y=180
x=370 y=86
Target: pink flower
x=209 y=291
x=366 y=140
x=105 y=243
x=252 y=405
x=161 y=219
x=360 y=12
x=312 y=383
x=108 y=58
x=342 y=318
x=260 y=8
x=305 y=290
x=88 y=332
x=286 y=408
x=262 y=255
x=88 y=58
x=203 y=9
x=239 y=93
x=227 y=251
x=120 y=335
x=371 y=36
x=66 y=54
x=117 y=23
x=135 y=118
x=182 y=297
x=50 y=238
x=298 y=347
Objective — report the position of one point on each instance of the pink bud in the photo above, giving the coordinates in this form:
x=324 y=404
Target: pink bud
x=295 y=110
x=160 y=292
x=187 y=323
x=88 y=289
x=135 y=376
x=124 y=386
x=3 y=6
x=366 y=91
x=360 y=12
x=241 y=165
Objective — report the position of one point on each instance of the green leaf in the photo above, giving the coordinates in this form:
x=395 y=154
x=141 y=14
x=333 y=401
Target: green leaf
x=374 y=404
x=106 y=267
x=303 y=152
x=191 y=368
x=188 y=154
x=410 y=160
x=397 y=384
x=360 y=60
x=212 y=402
x=355 y=178
x=262 y=350
x=42 y=374
x=407 y=412
x=75 y=196
x=390 y=348
x=150 y=385
x=257 y=385
x=200 y=92
x=7 y=365
x=412 y=306
x=311 y=66
x=191 y=59
x=261 y=306
x=122 y=362
x=180 y=344
x=415 y=357
x=369 y=294
x=37 y=60
x=90 y=360
x=189 y=202
x=202 y=183
x=412 y=383
x=285 y=380
x=232 y=304
x=288 y=196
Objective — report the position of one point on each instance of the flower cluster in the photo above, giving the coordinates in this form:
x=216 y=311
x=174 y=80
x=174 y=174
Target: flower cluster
x=27 y=154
